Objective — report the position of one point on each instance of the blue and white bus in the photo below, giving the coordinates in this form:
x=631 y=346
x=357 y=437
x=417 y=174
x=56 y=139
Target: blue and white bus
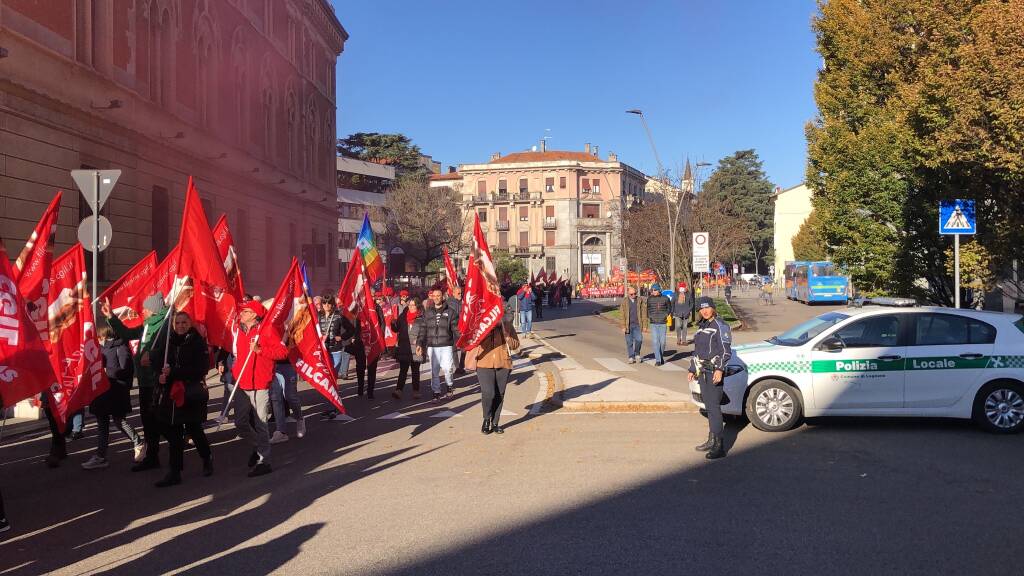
x=810 y=282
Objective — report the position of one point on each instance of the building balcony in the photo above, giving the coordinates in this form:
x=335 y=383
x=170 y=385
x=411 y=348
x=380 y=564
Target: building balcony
x=519 y=250
x=501 y=225
x=500 y=196
x=601 y=224
x=550 y=223
x=536 y=249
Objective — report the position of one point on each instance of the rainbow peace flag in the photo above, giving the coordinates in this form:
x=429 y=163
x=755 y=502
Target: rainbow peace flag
x=371 y=258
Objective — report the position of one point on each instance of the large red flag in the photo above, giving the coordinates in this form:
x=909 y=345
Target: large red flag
x=542 y=277
x=74 y=351
x=449 y=270
x=357 y=302
x=228 y=254
x=164 y=276
x=25 y=368
x=32 y=268
x=482 y=305
x=127 y=294
x=200 y=282
x=292 y=321
x=533 y=278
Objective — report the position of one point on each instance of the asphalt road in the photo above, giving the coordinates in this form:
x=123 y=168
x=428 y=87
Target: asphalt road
x=557 y=494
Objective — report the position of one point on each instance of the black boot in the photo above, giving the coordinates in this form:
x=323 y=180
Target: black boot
x=707 y=445
x=208 y=466
x=173 y=478
x=146 y=464
x=717 y=449
x=486 y=428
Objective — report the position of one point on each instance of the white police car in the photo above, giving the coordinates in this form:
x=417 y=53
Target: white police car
x=883 y=361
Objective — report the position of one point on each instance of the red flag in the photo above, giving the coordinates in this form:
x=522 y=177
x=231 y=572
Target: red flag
x=32 y=268
x=449 y=270
x=542 y=277
x=200 y=283
x=129 y=291
x=482 y=306
x=357 y=302
x=226 y=248
x=292 y=321
x=586 y=279
x=74 y=351
x=25 y=368
x=164 y=277
x=533 y=278
x=390 y=336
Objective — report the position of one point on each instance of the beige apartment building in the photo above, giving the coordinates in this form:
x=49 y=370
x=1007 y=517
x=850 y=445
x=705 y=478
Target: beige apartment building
x=792 y=207
x=240 y=95
x=561 y=211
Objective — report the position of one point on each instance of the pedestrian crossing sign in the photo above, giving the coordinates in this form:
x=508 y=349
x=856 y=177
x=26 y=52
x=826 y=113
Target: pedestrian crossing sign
x=957 y=217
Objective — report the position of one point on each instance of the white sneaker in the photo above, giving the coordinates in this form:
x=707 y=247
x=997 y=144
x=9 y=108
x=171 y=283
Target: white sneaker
x=95 y=463
x=278 y=437
x=140 y=452
x=300 y=428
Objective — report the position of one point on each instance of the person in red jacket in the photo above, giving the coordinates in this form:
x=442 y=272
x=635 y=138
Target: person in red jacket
x=253 y=371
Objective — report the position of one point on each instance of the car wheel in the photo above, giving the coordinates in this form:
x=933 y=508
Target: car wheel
x=773 y=406
x=999 y=407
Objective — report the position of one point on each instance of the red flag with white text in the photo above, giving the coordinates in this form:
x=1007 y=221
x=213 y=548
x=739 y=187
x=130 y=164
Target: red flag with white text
x=74 y=351
x=32 y=268
x=127 y=294
x=390 y=312
x=200 y=283
x=482 y=305
x=449 y=270
x=292 y=321
x=357 y=302
x=229 y=255
x=25 y=368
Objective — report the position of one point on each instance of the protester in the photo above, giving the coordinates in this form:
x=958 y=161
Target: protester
x=331 y=329
x=526 y=299
x=659 y=308
x=441 y=326
x=634 y=322
x=254 y=369
x=682 y=309
x=493 y=365
x=181 y=396
x=366 y=373
x=284 y=399
x=153 y=313
x=116 y=402
x=455 y=303
x=349 y=340
x=225 y=361
x=712 y=348
x=77 y=421
x=412 y=341
x=58 y=443
x=538 y=303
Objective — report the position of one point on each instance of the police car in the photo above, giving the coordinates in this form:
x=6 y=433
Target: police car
x=888 y=358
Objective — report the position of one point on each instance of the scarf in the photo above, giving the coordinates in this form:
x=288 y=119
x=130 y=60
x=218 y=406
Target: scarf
x=411 y=316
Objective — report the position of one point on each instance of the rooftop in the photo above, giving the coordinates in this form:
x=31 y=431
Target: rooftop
x=548 y=156
x=446 y=176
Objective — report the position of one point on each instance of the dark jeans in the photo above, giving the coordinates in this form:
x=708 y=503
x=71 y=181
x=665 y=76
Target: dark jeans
x=58 y=445
x=365 y=373
x=176 y=442
x=403 y=369
x=150 y=425
x=103 y=429
x=492 y=391
x=712 y=396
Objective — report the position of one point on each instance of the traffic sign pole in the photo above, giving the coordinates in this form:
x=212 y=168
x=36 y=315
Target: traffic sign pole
x=957 y=217
x=956 y=270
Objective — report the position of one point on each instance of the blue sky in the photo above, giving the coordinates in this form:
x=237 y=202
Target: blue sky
x=465 y=78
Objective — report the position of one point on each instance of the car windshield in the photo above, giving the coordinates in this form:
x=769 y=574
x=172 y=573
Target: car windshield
x=800 y=334
x=824 y=270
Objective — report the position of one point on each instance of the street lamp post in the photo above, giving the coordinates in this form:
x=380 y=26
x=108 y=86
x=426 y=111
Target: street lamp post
x=663 y=178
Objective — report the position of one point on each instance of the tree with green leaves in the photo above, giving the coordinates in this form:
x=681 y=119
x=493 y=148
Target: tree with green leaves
x=510 y=267
x=740 y=180
x=809 y=244
x=918 y=101
x=392 y=149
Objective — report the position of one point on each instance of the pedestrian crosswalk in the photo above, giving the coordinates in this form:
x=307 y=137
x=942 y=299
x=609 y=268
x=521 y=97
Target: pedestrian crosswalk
x=616 y=365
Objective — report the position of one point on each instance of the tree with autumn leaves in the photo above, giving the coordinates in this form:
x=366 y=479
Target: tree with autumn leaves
x=918 y=101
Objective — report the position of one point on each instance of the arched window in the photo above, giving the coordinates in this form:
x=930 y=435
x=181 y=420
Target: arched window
x=291 y=111
x=267 y=109
x=311 y=166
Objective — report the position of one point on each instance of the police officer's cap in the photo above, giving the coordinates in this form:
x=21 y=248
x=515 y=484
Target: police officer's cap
x=705 y=302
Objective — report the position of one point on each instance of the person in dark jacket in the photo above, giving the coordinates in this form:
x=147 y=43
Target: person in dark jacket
x=366 y=372
x=455 y=303
x=659 y=308
x=153 y=329
x=116 y=402
x=346 y=331
x=681 y=309
x=181 y=397
x=412 y=343
x=441 y=326
x=538 y=293
x=712 y=349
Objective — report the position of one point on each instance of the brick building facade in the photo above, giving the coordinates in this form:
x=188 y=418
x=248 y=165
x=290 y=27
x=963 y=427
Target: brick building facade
x=238 y=93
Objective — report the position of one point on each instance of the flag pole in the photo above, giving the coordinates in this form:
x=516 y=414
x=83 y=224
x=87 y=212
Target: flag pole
x=223 y=417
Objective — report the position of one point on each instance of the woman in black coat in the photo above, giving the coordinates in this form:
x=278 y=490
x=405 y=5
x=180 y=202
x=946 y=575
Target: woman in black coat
x=412 y=341
x=181 y=396
x=116 y=402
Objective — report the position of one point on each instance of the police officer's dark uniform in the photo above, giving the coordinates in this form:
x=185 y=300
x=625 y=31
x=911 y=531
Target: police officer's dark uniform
x=712 y=348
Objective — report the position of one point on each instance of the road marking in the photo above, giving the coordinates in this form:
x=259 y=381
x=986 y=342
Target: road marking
x=446 y=414
x=666 y=367
x=392 y=416
x=508 y=413
x=614 y=365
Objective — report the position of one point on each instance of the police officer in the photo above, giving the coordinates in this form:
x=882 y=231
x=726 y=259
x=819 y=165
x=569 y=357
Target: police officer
x=712 y=348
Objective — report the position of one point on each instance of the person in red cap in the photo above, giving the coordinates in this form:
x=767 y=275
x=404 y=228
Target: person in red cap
x=253 y=370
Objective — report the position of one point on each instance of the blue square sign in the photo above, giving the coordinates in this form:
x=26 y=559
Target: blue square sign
x=957 y=217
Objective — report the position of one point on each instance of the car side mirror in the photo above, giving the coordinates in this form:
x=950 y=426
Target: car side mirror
x=831 y=344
